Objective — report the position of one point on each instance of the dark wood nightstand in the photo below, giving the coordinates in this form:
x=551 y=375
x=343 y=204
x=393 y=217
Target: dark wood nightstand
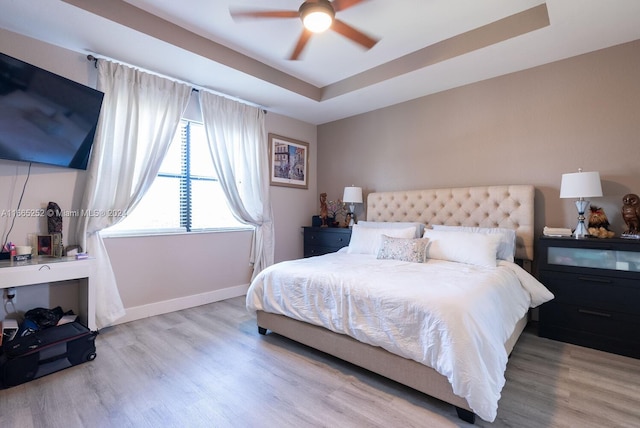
x=596 y=283
x=323 y=240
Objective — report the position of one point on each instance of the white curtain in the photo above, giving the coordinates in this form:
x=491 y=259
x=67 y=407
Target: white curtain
x=238 y=144
x=140 y=114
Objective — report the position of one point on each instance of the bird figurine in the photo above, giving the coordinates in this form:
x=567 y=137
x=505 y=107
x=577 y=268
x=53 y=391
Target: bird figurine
x=599 y=223
x=631 y=214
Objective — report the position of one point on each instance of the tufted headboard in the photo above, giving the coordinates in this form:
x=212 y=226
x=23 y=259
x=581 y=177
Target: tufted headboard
x=485 y=206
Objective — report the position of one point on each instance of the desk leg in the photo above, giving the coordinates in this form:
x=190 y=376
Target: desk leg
x=87 y=301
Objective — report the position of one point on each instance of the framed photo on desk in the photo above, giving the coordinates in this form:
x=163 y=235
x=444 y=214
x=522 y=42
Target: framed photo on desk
x=45 y=245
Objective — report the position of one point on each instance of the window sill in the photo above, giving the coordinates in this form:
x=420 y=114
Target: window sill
x=146 y=233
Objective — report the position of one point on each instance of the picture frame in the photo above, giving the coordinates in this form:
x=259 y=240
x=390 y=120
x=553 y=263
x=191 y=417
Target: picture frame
x=45 y=245
x=288 y=162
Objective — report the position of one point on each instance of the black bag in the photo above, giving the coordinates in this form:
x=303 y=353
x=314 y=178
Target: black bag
x=44 y=317
x=44 y=352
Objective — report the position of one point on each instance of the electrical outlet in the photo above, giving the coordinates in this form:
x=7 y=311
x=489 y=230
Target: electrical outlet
x=10 y=295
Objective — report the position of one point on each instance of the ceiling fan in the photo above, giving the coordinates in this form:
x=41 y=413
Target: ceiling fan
x=317 y=16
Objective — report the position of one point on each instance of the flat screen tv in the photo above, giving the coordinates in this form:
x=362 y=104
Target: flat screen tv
x=45 y=118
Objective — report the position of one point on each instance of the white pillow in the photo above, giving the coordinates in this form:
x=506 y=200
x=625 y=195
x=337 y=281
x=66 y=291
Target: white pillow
x=463 y=247
x=367 y=240
x=395 y=225
x=507 y=245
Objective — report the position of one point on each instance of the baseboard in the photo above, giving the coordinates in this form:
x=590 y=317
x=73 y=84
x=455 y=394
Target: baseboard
x=166 y=306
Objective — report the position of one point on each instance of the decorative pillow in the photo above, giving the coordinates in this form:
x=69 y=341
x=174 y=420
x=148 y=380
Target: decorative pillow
x=366 y=240
x=403 y=249
x=395 y=225
x=463 y=247
x=507 y=245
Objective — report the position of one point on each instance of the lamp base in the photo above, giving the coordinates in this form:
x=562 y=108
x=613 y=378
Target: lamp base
x=581 y=229
x=348 y=220
x=352 y=215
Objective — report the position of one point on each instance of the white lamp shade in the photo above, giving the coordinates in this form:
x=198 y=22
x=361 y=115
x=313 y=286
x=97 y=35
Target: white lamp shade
x=352 y=195
x=581 y=185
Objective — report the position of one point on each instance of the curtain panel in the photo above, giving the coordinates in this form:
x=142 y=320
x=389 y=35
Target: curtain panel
x=238 y=144
x=139 y=116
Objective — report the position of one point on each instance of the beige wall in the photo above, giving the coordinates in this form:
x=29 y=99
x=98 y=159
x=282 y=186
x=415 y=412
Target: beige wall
x=527 y=127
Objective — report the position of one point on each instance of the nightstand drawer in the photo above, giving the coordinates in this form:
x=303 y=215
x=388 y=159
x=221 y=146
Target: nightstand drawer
x=593 y=320
x=605 y=292
x=314 y=250
x=326 y=239
x=323 y=240
x=604 y=330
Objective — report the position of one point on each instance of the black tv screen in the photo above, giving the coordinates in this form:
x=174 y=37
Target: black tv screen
x=45 y=118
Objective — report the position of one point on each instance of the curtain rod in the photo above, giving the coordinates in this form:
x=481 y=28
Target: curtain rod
x=196 y=88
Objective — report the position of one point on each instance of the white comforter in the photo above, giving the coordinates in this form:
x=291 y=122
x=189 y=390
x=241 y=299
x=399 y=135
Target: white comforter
x=450 y=316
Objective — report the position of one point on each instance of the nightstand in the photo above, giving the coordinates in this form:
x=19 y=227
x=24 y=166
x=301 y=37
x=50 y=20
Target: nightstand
x=323 y=240
x=596 y=283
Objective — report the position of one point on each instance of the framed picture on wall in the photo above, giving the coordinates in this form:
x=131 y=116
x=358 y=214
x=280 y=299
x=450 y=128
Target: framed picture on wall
x=288 y=162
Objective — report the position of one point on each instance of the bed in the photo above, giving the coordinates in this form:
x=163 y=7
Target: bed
x=443 y=324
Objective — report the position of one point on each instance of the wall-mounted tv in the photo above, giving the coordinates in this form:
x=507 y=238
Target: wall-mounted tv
x=45 y=118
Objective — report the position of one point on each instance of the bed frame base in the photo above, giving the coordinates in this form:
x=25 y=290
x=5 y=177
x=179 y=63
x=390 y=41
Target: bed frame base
x=402 y=370
x=466 y=415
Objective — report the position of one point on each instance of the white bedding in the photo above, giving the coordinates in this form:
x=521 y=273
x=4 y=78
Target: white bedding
x=450 y=316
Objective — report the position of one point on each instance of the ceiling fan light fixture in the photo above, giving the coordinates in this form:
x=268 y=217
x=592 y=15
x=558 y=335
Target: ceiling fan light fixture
x=317 y=17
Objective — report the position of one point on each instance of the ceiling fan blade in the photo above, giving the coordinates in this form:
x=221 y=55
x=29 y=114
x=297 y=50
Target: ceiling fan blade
x=339 y=5
x=302 y=42
x=351 y=33
x=265 y=14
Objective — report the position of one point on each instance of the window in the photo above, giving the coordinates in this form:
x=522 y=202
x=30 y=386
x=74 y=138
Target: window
x=186 y=195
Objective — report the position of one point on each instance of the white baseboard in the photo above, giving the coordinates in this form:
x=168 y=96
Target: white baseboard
x=166 y=306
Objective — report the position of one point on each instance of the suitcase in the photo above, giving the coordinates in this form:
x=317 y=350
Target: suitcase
x=44 y=352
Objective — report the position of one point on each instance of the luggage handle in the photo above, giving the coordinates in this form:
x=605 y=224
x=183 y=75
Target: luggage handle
x=35 y=346
x=52 y=359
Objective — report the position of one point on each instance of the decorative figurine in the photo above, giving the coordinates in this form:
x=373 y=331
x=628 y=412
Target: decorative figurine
x=631 y=215
x=54 y=227
x=599 y=223
x=324 y=211
x=54 y=218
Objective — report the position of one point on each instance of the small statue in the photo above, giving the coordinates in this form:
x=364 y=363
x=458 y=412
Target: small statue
x=599 y=223
x=324 y=210
x=631 y=214
x=54 y=218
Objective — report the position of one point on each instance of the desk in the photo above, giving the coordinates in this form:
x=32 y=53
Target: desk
x=41 y=270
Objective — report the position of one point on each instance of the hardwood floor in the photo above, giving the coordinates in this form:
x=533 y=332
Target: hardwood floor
x=208 y=367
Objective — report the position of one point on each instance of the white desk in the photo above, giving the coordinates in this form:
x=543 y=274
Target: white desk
x=41 y=270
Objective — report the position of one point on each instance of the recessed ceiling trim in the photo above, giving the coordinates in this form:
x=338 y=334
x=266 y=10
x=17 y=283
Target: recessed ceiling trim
x=137 y=19
x=498 y=31
x=487 y=35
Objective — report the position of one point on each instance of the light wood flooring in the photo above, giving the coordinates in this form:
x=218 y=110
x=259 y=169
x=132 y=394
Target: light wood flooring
x=208 y=367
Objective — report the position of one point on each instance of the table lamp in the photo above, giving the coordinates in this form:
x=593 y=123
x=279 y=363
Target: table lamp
x=581 y=185
x=352 y=195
